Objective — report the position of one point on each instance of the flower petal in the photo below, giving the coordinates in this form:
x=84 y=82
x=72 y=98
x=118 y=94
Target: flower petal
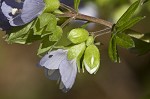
x=52 y=74
x=31 y=9
x=14 y=3
x=63 y=88
x=68 y=71
x=53 y=59
x=6 y=9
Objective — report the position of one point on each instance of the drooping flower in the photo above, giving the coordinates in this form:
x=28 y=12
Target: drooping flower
x=58 y=67
x=62 y=65
x=19 y=12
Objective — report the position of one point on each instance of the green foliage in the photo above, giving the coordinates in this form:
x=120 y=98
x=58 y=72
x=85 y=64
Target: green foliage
x=57 y=34
x=80 y=43
x=129 y=24
x=119 y=37
x=124 y=41
x=45 y=46
x=19 y=34
x=125 y=18
x=112 y=49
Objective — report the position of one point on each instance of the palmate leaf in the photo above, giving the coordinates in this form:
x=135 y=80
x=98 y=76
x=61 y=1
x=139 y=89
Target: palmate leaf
x=76 y=5
x=112 y=49
x=128 y=14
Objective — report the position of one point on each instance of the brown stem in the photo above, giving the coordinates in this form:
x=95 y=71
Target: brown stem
x=86 y=18
x=67 y=8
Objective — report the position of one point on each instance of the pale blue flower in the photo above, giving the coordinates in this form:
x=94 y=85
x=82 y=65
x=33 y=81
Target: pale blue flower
x=58 y=67
x=19 y=12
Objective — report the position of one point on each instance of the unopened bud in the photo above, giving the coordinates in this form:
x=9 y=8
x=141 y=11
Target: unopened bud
x=78 y=35
x=51 y=5
x=91 y=59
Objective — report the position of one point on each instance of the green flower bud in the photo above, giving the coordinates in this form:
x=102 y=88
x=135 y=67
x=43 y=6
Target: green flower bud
x=76 y=52
x=90 y=41
x=51 y=5
x=78 y=35
x=91 y=59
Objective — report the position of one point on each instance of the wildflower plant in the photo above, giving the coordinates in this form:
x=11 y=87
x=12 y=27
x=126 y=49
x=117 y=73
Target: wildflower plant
x=27 y=21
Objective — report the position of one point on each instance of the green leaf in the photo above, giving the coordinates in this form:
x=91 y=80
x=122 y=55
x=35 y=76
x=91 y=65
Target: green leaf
x=18 y=32
x=124 y=41
x=129 y=24
x=76 y=4
x=57 y=34
x=31 y=37
x=128 y=14
x=133 y=33
x=45 y=46
x=52 y=25
x=112 y=49
x=36 y=28
x=47 y=18
x=144 y=37
x=19 y=40
x=141 y=47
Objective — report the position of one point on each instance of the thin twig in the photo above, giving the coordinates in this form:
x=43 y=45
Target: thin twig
x=67 y=8
x=67 y=21
x=106 y=29
x=87 y=18
x=102 y=34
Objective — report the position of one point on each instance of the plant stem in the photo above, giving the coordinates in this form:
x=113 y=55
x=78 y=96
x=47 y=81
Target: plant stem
x=102 y=34
x=67 y=8
x=86 y=18
x=66 y=22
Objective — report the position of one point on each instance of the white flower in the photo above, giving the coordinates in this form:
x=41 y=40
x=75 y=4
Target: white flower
x=58 y=67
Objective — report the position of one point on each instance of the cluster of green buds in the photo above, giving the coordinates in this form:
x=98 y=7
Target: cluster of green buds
x=84 y=49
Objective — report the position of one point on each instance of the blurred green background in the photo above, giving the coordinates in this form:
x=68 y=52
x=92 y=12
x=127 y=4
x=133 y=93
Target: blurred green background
x=20 y=78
